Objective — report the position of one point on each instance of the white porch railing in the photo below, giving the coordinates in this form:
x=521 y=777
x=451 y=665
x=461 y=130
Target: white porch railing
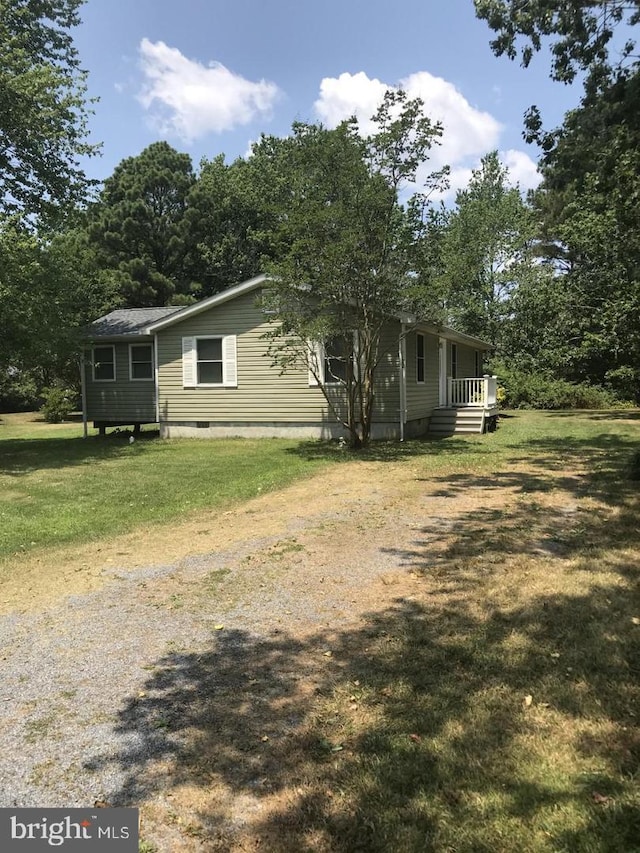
x=474 y=392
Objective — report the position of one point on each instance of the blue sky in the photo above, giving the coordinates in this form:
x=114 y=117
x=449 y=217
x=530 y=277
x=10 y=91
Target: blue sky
x=210 y=76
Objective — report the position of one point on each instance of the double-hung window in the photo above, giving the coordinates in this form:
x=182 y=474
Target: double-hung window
x=336 y=357
x=419 y=358
x=140 y=362
x=209 y=361
x=104 y=363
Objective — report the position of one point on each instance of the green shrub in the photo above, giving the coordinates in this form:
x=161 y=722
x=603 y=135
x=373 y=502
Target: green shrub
x=58 y=404
x=520 y=390
x=18 y=391
x=624 y=382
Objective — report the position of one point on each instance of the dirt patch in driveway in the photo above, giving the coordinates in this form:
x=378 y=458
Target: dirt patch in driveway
x=249 y=681
x=41 y=578
x=363 y=492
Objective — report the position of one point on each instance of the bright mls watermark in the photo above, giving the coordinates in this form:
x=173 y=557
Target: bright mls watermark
x=35 y=830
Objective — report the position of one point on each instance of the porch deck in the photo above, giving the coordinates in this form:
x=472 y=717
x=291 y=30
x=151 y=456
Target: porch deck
x=471 y=406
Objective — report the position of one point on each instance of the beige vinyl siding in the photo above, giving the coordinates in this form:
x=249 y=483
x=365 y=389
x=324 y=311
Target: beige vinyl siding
x=422 y=397
x=122 y=401
x=262 y=394
x=387 y=381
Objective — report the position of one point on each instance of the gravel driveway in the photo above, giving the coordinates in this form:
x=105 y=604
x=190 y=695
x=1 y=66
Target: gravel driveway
x=91 y=682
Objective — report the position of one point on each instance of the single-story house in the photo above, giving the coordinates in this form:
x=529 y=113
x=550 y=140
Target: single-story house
x=204 y=370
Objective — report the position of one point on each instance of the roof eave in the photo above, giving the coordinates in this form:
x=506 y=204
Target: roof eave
x=117 y=338
x=462 y=338
x=444 y=332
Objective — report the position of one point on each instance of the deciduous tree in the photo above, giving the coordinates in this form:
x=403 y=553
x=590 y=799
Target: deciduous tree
x=579 y=31
x=487 y=249
x=345 y=263
x=229 y=224
x=43 y=109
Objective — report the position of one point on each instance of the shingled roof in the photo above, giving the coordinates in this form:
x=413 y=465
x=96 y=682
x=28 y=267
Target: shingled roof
x=128 y=321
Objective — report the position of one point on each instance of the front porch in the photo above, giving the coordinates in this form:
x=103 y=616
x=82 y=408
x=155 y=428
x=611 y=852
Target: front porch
x=468 y=406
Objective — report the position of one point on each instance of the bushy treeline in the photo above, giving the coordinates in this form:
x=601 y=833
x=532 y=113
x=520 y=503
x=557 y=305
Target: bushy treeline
x=552 y=281
x=518 y=389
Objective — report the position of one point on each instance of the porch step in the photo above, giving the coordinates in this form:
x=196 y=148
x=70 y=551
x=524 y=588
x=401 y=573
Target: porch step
x=456 y=421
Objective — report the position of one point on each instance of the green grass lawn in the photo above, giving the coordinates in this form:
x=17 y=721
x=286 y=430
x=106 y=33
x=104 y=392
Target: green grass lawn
x=57 y=488
x=495 y=709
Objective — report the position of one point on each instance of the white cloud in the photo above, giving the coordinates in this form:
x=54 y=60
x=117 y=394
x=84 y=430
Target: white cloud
x=349 y=95
x=468 y=132
x=458 y=180
x=522 y=169
x=190 y=100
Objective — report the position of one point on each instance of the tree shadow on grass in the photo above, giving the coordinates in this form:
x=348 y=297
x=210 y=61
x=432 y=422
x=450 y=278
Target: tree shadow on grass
x=600 y=415
x=414 y=734
x=593 y=520
x=389 y=451
x=597 y=467
x=23 y=456
x=444 y=722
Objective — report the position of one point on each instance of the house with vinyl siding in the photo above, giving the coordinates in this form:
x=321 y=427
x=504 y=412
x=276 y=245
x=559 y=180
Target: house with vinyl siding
x=204 y=370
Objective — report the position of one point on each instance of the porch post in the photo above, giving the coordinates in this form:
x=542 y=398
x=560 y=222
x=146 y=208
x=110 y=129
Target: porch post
x=83 y=389
x=402 y=360
x=156 y=384
x=442 y=385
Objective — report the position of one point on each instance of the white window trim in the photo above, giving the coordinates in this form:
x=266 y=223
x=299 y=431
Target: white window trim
x=315 y=357
x=424 y=358
x=151 y=362
x=93 y=361
x=229 y=361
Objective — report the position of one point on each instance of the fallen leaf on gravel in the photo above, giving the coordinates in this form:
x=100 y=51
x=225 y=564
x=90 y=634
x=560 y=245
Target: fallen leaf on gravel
x=327 y=654
x=218 y=627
